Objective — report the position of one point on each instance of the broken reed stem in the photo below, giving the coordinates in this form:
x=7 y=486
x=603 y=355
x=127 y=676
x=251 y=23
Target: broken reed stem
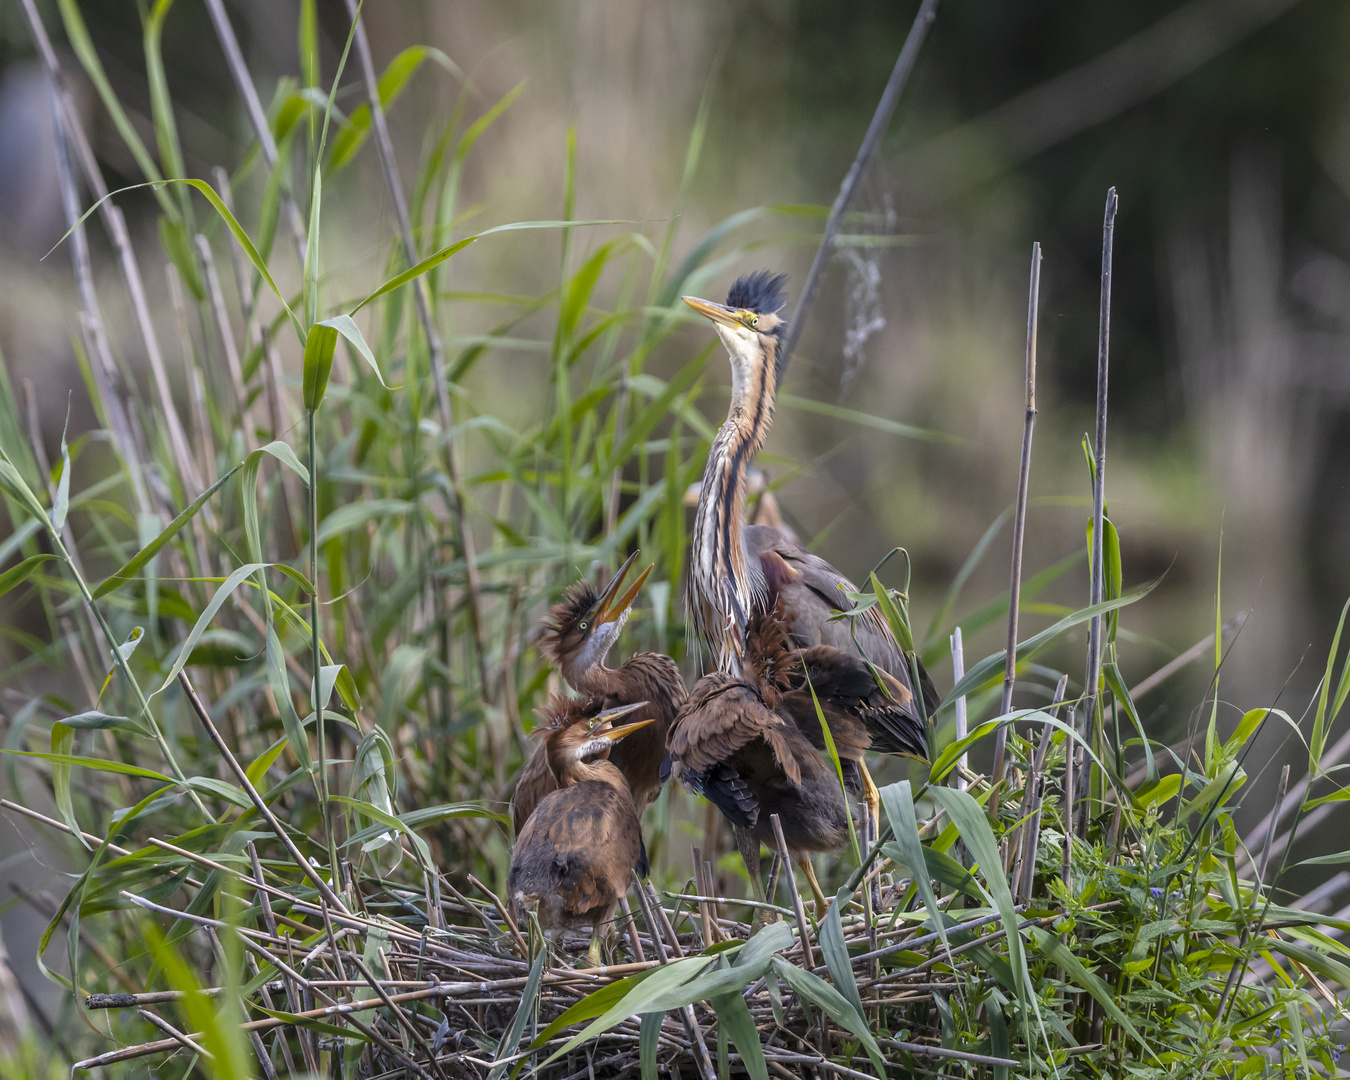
x=1019 y=523
x=705 y=916
x=177 y=1036
x=959 y=709
x=1094 y=657
x=204 y=715
x=630 y=928
x=425 y=311
x=881 y=119
x=1025 y=881
x=511 y=926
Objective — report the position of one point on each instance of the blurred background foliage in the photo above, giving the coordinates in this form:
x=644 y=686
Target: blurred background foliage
x=1224 y=124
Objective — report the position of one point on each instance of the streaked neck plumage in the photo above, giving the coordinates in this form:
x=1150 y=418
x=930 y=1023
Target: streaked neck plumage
x=723 y=589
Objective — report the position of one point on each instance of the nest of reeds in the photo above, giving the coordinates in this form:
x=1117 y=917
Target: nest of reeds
x=395 y=986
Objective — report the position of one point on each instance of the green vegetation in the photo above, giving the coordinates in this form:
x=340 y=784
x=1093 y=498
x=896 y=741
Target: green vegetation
x=345 y=553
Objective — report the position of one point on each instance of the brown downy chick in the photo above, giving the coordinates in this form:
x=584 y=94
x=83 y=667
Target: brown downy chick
x=577 y=636
x=575 y=855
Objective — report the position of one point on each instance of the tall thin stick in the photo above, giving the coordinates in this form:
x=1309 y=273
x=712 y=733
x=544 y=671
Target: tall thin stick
x=798 y=908
x=1094 y=657
x=881 y=120
x=1240 y=966
x=422 y=295
x=959 y=673
x=702 y=1059
x=257 y=117
x=803 y=927
x=303 y=864
x=1019 y=518
x=1069 y=748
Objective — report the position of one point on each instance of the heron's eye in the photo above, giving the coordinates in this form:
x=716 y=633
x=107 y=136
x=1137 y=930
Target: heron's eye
x=582 y=625
x=754 y=321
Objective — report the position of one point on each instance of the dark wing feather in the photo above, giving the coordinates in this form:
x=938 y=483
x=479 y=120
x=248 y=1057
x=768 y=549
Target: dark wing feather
x=865 y=697
x=536 y=781
x=723 y=787
x=811 y=590
x=722 y=716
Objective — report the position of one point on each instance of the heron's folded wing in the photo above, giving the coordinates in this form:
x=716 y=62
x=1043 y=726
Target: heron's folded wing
x=721 y=716
x=596 y=843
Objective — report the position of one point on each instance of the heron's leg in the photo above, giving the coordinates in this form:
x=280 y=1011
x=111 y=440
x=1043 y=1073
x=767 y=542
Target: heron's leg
x=804 y=862
x=873 y=799
x=599 y=933
x=748 y=845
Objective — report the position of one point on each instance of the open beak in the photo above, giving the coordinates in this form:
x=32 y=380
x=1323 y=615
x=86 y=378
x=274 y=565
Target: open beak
x=611 y=609
x=718 y=313
x=615 y=734
x=602 y=720
x=603 y=737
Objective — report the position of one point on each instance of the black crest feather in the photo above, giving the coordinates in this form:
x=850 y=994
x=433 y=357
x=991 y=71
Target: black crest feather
x=761 y=292
x=563 y=618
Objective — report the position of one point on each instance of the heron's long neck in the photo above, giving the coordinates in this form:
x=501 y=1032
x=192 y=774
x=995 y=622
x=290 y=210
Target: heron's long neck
x=572 y=771
x=720 y=582
x=596 y=680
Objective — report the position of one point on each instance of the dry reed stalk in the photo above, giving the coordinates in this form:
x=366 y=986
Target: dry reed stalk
x=1019 y=524
x=881 y=119
x=1094 y=657
x=959 y=709
x=253 y=108
x=68 y=127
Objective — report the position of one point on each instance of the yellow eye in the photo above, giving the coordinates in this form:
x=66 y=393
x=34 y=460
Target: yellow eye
x=754 y=321
x=582 y=625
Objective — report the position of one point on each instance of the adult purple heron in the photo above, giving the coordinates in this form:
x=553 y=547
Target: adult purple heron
x=752 y=743
x=737 y=570
x=574 y=857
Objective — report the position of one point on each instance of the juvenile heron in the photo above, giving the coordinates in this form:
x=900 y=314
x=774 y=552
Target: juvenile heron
x=738 y=570
x=578 y=634
x=574 y=857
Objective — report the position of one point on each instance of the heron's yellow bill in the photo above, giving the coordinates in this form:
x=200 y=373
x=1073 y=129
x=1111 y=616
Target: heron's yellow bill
x=610 y=609
x=716 y=312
